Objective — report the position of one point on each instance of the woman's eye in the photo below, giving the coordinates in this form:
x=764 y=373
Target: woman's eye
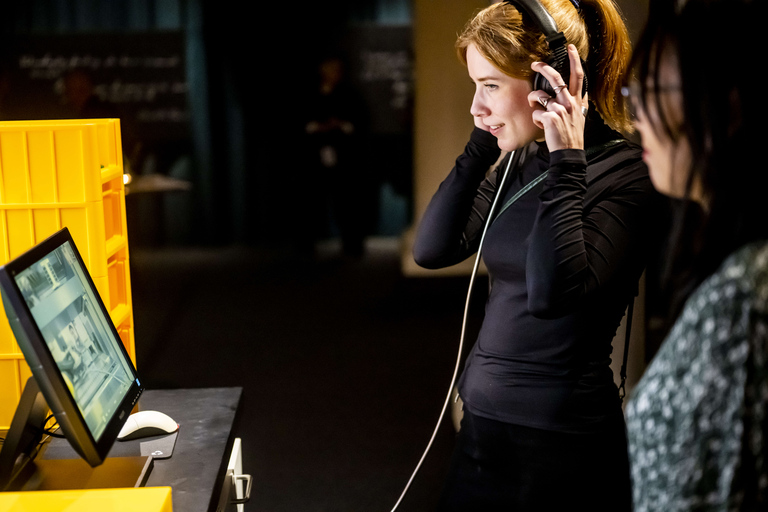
x=491 y=86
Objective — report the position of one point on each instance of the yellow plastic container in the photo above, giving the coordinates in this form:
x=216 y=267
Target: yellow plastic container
x=55 y=174
x=145 y=499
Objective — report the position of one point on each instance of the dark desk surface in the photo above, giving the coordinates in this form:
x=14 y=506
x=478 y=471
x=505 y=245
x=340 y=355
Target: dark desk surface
x=196 y=470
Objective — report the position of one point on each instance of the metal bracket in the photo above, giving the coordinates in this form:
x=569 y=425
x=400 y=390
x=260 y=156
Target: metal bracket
x=247 y=494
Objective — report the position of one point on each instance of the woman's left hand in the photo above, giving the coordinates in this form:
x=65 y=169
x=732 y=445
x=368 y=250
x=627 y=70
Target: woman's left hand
x=561 y=119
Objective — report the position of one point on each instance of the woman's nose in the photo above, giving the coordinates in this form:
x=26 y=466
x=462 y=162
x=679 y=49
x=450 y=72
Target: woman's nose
x=478 y=108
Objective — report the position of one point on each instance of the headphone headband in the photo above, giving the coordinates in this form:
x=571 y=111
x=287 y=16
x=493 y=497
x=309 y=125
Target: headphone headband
x=558 y=45
x=540 y=15
x=545 y=22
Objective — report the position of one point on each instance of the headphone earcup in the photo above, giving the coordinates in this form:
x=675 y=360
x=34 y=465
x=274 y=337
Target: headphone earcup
x=542 y=84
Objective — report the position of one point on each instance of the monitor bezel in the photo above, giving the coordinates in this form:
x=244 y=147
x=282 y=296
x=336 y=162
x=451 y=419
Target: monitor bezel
x=43 y=366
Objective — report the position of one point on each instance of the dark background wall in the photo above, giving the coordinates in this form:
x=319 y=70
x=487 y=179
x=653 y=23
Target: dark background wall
x=211 y=95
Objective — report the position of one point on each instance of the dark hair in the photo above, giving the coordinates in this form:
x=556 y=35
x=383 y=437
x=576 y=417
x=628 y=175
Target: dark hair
x=716 y=45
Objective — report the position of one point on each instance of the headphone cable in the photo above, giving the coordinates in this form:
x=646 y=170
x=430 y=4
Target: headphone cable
x=463 y=332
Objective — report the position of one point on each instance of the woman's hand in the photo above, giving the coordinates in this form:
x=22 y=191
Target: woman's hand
x=561 y=116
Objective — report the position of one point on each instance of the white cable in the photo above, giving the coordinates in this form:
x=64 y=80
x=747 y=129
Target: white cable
x=463 y=331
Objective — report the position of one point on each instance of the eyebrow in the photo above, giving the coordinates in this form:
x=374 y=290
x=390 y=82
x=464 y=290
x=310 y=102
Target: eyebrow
x=484 y=78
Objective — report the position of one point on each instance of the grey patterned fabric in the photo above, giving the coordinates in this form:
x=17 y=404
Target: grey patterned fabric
x=697 y=421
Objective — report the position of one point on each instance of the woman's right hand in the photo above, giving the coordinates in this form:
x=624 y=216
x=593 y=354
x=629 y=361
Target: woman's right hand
x=562 y=117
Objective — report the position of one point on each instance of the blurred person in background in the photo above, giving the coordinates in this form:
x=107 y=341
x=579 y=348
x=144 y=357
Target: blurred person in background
x=335 y=182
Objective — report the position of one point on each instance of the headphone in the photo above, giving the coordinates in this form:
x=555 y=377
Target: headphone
x=558 y=46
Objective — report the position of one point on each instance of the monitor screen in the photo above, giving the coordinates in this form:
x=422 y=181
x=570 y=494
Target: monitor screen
x=70 y=343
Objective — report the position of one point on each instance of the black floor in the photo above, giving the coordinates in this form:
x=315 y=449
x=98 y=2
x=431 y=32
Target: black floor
x=344 y=365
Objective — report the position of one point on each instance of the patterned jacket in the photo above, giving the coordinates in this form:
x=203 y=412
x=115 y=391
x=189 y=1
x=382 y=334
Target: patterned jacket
x=697 y=421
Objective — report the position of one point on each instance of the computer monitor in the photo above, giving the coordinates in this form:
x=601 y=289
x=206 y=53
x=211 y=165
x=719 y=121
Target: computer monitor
x=73 y=350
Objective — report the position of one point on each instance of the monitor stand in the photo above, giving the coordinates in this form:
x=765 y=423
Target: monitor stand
x=23 y=467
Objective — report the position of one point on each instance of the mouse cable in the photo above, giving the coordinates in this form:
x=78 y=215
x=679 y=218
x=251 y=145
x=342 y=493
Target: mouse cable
x=463 y=332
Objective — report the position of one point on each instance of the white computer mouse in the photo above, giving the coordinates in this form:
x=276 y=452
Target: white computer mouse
x=146 y=424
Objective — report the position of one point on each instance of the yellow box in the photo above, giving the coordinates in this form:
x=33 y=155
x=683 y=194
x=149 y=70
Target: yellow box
x=145 y=499
x=55 y=174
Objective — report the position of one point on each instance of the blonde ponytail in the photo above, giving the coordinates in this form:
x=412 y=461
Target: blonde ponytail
x=610 y=51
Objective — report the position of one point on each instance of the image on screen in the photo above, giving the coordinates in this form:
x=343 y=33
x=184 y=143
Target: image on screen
x=82 y=344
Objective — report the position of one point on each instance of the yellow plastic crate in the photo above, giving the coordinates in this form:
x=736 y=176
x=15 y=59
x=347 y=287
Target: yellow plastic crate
x=55 y=174
x=145 y=499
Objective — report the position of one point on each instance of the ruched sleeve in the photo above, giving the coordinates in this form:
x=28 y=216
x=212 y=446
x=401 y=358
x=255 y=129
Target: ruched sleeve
x=449 y=230
x=577 y=247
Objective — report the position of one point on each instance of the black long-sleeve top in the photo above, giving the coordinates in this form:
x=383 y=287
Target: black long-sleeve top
x=564 y=261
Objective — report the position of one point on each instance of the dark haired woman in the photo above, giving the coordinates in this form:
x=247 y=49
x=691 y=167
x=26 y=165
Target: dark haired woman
x=698 y=419
x=542 y=427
